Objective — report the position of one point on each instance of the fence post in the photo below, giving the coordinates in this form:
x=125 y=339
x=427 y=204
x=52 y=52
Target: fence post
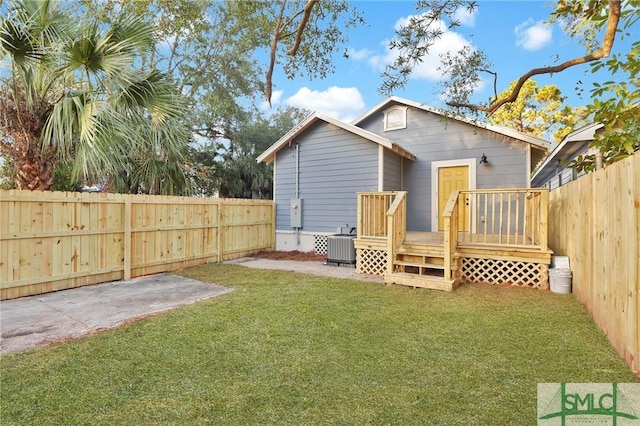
x=127 y=238
x=220 y=216
x=273 y=226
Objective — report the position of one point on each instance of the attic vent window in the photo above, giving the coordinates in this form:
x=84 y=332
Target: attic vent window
x=395 y=118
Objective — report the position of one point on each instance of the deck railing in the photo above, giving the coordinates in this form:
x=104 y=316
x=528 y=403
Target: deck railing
x=372 y=210
x=451 y=214
x=396 y=227
x=495 y=219
x=512 y=218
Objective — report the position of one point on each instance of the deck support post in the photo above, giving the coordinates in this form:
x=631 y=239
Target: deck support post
x=396 y=227
x=450 y=216
x=544 y=219
x=391 y=252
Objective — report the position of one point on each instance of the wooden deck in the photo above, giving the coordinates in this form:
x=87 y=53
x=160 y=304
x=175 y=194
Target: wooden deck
x=425 y=238
x=467 y=239
x=510 y=249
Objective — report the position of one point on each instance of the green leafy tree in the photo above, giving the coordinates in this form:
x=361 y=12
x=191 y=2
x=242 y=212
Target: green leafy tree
x=213 y=49
x=229 y=168
x=539 y=111
x=223 y=55
x=196 y=45
x=304 y=34
x=63 y=179
x=240 y=174
x=595 y=23
x=8 y=174
x=617 y=105
x=78 y=94
x=204 y=159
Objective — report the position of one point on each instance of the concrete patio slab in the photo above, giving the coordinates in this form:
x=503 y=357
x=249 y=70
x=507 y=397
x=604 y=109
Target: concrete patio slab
x=306 y=267
x=35 y=320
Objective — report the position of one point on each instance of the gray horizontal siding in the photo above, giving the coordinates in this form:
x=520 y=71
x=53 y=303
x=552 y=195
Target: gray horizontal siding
x=333 y=166
x=567 y=176
x=563 y=177
x=392 y=180
x=431 y=138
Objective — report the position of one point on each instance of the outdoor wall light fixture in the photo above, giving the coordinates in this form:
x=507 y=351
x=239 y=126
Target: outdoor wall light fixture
x=483 y=159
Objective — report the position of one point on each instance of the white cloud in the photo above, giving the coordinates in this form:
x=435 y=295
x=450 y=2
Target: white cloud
x=276 y=97
x=465 y=17
x=450 y=41
x=343 y=103
x=358 y=55
x=167 y=43
x=533 y=35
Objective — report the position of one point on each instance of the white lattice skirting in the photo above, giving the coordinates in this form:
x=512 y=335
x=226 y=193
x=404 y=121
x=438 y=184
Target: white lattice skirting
x=320 y=244
x=522 y=274
x=372 y=262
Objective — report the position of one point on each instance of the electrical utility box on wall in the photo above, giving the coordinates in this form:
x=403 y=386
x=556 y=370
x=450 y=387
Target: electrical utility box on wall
x=296 y=212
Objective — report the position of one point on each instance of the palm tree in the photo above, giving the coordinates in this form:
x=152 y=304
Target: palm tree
x=77 y=93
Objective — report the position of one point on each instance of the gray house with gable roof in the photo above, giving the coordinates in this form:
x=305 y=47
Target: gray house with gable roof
x=554 y=172
x=398 y=145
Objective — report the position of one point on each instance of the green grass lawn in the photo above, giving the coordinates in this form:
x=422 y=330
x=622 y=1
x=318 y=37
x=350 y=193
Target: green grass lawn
x=286 y=348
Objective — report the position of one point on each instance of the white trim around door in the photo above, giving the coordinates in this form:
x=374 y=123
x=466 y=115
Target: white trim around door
x=435 y=165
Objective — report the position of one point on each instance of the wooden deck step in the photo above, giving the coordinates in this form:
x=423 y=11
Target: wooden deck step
x=421 y=250
x=428 y=266
x=417 y=258
x=422 y=281
x=419 y=264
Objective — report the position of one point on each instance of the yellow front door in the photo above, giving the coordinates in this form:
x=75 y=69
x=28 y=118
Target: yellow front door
x=451 y=179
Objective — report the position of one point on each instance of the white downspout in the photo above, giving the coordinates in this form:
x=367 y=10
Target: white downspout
x=297 y=170
x=298 y=190
x=380 y=168
x=598 y=160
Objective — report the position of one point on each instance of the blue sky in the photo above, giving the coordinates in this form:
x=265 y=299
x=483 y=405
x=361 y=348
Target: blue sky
x=512 y=33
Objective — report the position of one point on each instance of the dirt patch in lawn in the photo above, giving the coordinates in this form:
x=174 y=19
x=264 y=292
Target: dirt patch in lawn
x=291 y=255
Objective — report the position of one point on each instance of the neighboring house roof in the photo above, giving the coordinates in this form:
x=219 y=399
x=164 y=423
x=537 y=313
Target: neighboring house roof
x=535 y=142
x=269 y=155
x=571 y=146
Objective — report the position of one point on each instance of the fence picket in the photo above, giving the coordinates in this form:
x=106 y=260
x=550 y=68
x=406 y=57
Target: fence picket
x=56 y=240
x=595 y=221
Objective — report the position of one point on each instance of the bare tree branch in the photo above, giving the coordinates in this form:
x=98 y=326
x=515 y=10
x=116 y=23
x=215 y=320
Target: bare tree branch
x=495 y=81
x=607 y=43
x=302 y=26
x=278 y=36
x=272 y=54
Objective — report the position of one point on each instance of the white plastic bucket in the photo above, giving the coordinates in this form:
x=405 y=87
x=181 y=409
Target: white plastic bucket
x=560 y=280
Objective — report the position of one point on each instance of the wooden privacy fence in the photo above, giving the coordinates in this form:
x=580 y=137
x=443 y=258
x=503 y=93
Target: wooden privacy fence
x=56 y=240
x=595 y=220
